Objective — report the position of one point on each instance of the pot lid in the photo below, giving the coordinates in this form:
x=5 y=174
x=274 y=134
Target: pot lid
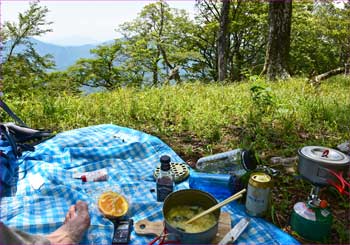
x=325 y=155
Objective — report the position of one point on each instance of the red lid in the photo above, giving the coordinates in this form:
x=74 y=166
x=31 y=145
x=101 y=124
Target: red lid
x=323 y=204
x=83 y=178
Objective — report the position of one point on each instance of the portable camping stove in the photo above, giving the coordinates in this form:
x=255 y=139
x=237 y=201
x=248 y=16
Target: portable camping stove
x=322 y=167
x=312 y=219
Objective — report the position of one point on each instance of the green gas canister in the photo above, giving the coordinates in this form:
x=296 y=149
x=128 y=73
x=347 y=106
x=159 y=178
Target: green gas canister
x=312 y=222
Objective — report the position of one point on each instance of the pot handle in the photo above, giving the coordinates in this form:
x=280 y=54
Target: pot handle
x=162 y=238
x=343 y=183
x=325 y=153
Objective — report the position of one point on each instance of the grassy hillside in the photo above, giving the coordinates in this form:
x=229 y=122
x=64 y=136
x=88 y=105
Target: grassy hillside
x=195 y=120
x=276 y=119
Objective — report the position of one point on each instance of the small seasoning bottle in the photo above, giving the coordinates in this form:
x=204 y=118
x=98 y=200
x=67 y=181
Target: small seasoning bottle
x=165 y=180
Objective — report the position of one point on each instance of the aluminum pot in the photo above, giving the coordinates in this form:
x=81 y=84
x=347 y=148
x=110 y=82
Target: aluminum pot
x=316 y=164
x=191 y=197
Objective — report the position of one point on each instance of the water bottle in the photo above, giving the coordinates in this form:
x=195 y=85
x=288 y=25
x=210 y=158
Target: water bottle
x=220 y=186
x=235 y=162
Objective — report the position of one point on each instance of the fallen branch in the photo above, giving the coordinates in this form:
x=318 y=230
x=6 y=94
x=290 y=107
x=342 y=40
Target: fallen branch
x=317 y=79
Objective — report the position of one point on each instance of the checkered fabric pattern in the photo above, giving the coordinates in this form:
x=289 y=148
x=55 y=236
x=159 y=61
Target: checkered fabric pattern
x=130 y=157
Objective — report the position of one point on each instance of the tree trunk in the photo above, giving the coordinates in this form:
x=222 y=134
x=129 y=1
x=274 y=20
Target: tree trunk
x=155 y=68
x=317 y=79
x=347 y=48
x=347 y=69
x=223 y=40
x=155 y=73
x=277 y=52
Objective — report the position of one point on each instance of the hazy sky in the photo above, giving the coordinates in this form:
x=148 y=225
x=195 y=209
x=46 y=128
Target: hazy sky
x=85 y=21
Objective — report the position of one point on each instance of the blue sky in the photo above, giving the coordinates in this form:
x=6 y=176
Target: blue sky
x=83 y=22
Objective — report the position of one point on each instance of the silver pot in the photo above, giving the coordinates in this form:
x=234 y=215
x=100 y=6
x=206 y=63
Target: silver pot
x=191 y=197
x=316 y=164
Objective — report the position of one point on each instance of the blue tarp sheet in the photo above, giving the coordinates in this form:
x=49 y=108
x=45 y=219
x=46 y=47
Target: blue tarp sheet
x=130 y=157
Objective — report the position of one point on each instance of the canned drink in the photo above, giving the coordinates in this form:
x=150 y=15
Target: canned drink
x=258 y=194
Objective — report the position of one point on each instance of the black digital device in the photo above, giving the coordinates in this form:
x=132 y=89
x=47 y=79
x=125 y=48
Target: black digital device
x=122 y=230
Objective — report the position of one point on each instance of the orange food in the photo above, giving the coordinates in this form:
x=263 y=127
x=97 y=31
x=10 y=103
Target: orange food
x=112 y=204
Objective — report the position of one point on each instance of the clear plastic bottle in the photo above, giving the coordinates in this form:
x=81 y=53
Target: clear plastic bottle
x=165 y=180
x=235 y=162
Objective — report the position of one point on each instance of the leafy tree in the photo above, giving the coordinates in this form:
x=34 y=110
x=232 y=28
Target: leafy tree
x=205 y=38
x=58 y=82
x=156 y=43
x=346 y=49
x=26 y=71
x=246 y=40
x=31 y=23
x=100 y=71
x=320 y=38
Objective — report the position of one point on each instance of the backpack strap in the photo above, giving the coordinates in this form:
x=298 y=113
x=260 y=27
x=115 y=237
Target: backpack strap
x=5 y=132
x=18 y=134
x=24 y=134
x=4 y=106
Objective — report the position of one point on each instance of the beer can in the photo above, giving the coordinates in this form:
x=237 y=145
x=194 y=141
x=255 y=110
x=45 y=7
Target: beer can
x=258 y=194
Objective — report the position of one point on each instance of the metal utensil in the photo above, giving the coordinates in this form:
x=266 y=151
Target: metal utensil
x=236 y=231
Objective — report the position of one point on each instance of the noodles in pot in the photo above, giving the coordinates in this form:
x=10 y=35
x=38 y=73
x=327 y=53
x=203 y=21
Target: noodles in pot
x=178 y=215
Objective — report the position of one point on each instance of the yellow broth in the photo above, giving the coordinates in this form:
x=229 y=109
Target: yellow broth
x=178 y=215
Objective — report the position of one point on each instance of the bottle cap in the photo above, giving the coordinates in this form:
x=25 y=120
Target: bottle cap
x=83 y=178
x=165 y=158
x=165 y=163
x=249 y=160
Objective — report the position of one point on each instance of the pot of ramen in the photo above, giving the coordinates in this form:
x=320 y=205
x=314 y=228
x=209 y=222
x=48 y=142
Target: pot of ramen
x=183 y=205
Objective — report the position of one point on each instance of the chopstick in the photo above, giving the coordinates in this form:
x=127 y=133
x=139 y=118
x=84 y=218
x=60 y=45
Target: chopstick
x=219 y=205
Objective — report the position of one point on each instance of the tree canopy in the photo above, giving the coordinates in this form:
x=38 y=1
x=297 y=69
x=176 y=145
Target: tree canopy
x=162 y=45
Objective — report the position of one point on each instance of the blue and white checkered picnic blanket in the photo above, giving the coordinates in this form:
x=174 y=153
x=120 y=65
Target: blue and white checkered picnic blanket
x=130 y=157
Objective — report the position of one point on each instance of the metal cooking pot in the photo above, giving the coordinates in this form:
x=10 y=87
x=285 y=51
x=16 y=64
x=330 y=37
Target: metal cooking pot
x=191 y=197
x=318 y=164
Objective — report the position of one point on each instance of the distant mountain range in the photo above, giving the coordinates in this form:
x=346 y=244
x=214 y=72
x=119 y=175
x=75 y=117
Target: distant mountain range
x=64 y=56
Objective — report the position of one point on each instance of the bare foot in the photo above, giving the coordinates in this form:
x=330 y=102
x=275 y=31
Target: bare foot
x=76 y=223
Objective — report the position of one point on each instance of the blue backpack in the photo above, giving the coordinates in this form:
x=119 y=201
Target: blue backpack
x=15 y=139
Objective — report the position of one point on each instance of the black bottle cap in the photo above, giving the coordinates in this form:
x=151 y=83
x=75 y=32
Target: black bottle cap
x=249 y=160
x=165 y=158
x=165 y=163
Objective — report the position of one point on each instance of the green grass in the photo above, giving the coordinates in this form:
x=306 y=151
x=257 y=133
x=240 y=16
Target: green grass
x=197 y=119
x=294 y=114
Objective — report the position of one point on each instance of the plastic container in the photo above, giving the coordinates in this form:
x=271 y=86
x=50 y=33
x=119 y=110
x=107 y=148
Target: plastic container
x=218 y=185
